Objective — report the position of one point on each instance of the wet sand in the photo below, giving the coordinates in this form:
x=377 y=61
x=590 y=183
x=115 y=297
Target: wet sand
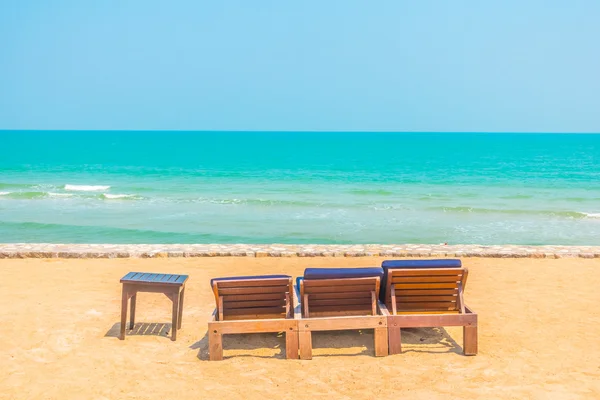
x=539 y=322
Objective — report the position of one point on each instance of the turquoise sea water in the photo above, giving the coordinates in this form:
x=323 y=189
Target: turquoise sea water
x=271 y=187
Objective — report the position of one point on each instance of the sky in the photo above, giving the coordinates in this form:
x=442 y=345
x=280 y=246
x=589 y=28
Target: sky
x=340 y=65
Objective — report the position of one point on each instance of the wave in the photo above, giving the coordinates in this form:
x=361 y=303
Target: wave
x=24 y=195
x=86 y=188
x=551 y=213
x=368 y=192
x=51 y=194
x=260 y=202
x=109 y=196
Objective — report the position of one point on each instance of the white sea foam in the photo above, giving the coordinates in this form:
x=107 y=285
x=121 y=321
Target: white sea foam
x=4 y=193
x=592 y=215
x=86 y=188
x=109 y=196
x=59 y=194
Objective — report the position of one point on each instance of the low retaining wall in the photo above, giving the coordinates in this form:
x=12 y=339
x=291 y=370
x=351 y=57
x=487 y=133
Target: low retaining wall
x=43 y=250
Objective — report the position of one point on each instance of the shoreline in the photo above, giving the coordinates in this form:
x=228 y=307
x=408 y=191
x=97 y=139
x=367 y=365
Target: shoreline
x=48 y=250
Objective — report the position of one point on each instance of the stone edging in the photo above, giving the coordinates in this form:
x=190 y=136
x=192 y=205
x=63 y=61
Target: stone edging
x=44 y=250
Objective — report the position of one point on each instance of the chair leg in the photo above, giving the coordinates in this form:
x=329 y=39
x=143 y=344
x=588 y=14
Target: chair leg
x=123 y=313
x=381 y=342
x=291 y=344
x=470 y=340
x=215 y=345
x=180 y=308
x=395 y=339
x=305 y=342
x=174 y=323
x=132 y=312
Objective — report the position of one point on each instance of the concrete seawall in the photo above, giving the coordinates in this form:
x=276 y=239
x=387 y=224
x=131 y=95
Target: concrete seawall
x=45 y=250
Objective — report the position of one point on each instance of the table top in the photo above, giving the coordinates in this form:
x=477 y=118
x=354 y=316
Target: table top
x=157 y=279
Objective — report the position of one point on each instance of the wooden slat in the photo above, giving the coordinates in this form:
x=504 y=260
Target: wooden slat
x=417 y=279
x=339 y=289
x=252 y=297
x=343 y=323
x=426 y=271
x=252 y=283
x=427 y=292
x=244 y=317
x=352 y=307
x=259 y=303
x=339 y=282
x=432 y=320
x=339 y=302
x=426 y=286
x=335 y=314
x=342 y=295
x=253 y=290
x=408 y=299
x=249 y=326
x=256 y=310
x=444 y=305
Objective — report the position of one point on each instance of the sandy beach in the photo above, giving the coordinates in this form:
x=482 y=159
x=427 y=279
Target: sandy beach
x=538 y=337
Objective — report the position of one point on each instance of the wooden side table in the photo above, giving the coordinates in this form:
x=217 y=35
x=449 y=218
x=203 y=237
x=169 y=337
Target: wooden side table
x=172 y=286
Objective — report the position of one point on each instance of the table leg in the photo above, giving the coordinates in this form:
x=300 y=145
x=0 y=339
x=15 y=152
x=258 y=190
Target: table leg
x=179 y=318
x=123 y=313
x=132 y=312
x=175 y=298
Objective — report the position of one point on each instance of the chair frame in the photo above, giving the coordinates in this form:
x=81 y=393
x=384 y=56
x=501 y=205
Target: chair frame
x=464 y=316
x=218 y=326
x=336 y=320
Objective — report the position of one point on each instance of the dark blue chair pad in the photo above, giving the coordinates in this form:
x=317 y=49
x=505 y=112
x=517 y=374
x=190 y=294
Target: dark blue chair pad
x=232 y=278
x=414 y=264
x=440 y=263
x=336 y=273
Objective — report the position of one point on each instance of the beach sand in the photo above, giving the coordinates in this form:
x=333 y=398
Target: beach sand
x=539 y=322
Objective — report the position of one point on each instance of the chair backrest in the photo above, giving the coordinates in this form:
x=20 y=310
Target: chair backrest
x=426 y=290
x=339 y=296
x=254 y=298
x=413 y=264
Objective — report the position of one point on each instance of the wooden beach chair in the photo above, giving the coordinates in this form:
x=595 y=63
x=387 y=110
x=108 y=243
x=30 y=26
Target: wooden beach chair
x=427 y=293
x=340 y=299
x=253 y=304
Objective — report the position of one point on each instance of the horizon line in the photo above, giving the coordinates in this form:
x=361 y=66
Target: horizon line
x=289 y=131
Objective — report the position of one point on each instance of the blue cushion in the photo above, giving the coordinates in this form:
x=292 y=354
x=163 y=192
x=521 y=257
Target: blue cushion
x=335 y=273
x=231 y=278
x=441 y=263
x=414 y=264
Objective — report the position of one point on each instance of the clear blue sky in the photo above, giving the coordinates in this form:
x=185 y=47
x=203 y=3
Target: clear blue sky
x=301 y=65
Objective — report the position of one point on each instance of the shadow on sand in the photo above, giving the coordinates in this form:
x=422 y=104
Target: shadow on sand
x=432 y=336
x=141 y=329
x=335 y=340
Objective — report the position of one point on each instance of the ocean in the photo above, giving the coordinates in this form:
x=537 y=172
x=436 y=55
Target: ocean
x=299 y=187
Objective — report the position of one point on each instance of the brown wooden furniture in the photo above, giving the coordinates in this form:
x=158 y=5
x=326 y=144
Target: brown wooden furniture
x=340 y=304
x=253 y=305
x=172 y=286
x=428 y=297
